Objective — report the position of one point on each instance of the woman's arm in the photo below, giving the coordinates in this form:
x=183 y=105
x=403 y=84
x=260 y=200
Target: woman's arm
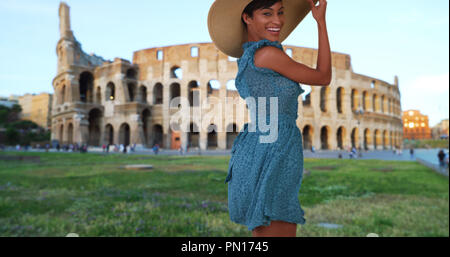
x=273 y=58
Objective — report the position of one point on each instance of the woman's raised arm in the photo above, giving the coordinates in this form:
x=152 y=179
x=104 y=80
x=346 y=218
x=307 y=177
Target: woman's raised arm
x=273 y=58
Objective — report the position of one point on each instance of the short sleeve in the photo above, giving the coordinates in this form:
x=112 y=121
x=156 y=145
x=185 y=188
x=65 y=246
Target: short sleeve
x=252 y=49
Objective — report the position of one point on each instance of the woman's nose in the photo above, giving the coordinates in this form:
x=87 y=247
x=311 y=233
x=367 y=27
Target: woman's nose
x=277 y=20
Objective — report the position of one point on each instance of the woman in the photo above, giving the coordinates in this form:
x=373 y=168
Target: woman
x=264 y=178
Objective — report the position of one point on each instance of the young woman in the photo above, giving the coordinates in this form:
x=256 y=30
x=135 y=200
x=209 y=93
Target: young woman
x=264 y=178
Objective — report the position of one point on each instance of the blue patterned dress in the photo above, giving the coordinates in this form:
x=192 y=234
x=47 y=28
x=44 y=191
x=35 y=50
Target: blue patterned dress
x=264 y=178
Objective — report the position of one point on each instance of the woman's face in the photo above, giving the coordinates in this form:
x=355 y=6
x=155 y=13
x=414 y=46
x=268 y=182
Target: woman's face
x=266 y=23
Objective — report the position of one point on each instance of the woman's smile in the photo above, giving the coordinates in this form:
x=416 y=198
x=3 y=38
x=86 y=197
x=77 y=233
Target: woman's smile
x=275 y=31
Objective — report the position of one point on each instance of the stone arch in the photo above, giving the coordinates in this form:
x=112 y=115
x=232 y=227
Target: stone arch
x=355 y=138
x=61 y=134
x=324 y=98
x=109 y=134
x=385 y=139
x=383 y=102
x=95 y=120
x=367 y=139
x=365 y=101
x=131 y=91
x=212 y=136
x=232 y=132
x=375 y=103
x=70 y=134
x=124 y=134
x=354 y=100
x=86 y=83
x=146 y=119
x=341 y=138
x=391 y=139
x=158 y=94
x=306 y=96
x=175 y=91
x=157 y=132
x=98 y=96
x=193 y=135
x=176 y=72
x=340 y=99
x=377 y=139
x=325 y=138
x=231 y=88
x=213 y=88
x=62 y=97
x=231 y=85
x=143 y=94
x=389 y=109
x=110 y=92
x=308 y=135
x=194 y=93
x=131 y=73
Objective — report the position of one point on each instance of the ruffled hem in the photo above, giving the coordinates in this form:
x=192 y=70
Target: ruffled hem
x=265 y=187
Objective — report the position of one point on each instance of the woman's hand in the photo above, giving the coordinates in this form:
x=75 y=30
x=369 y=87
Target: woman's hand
x=318 y=11
x=273 y=58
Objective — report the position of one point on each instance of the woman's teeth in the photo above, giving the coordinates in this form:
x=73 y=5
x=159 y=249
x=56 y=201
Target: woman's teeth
x=274 y=29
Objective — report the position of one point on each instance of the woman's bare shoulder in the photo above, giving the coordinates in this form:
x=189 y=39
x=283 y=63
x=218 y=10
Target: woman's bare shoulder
x=267 y=55
x=275 y=59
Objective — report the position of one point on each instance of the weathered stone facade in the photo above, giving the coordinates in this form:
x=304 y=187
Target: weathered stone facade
x=37 y=108
x=119 y=102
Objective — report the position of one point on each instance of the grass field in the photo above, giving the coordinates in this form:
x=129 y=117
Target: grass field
x=427 y=143
x=92 y=195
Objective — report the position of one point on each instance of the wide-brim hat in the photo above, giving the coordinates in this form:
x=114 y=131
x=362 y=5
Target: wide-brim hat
x=228 y=32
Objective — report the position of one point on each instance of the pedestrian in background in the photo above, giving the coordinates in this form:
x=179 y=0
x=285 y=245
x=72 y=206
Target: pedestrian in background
x=441 y=157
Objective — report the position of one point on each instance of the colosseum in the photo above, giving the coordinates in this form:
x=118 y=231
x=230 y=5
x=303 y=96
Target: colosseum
x=121 y=102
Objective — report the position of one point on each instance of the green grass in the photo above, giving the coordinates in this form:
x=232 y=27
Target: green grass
x=427 y=143
x=92 y=195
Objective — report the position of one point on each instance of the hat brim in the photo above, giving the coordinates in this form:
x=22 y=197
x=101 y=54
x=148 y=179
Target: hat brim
x=229 y=33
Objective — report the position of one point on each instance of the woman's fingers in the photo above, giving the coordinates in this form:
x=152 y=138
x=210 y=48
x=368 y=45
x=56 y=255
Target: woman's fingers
x=322 y=2
x=311 y=3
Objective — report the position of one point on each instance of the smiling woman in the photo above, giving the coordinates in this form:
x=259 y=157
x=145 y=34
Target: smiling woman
x=263 y=186
x=265 y=8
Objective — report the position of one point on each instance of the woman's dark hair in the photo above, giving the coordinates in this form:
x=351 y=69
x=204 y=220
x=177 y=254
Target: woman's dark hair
x=256 y=5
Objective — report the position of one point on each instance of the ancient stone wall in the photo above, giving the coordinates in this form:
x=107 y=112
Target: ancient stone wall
x=121 y=102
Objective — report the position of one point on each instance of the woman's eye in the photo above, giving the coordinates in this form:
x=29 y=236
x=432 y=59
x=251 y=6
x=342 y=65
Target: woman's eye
x=267 y=14
x=280 y=13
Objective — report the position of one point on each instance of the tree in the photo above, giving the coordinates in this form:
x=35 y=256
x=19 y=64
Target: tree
x=12 y=136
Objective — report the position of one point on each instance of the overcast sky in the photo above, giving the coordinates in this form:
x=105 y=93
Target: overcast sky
x=407 y=38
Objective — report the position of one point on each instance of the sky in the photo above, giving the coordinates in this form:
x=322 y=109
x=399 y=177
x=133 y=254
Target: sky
x=407 y=38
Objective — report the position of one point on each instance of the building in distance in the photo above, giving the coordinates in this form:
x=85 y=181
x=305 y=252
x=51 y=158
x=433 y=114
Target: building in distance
x=37 y=108
x=440 y=130
x=415 y=125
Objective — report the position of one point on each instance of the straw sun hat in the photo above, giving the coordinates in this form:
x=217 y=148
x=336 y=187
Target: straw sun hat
x=229 y=33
